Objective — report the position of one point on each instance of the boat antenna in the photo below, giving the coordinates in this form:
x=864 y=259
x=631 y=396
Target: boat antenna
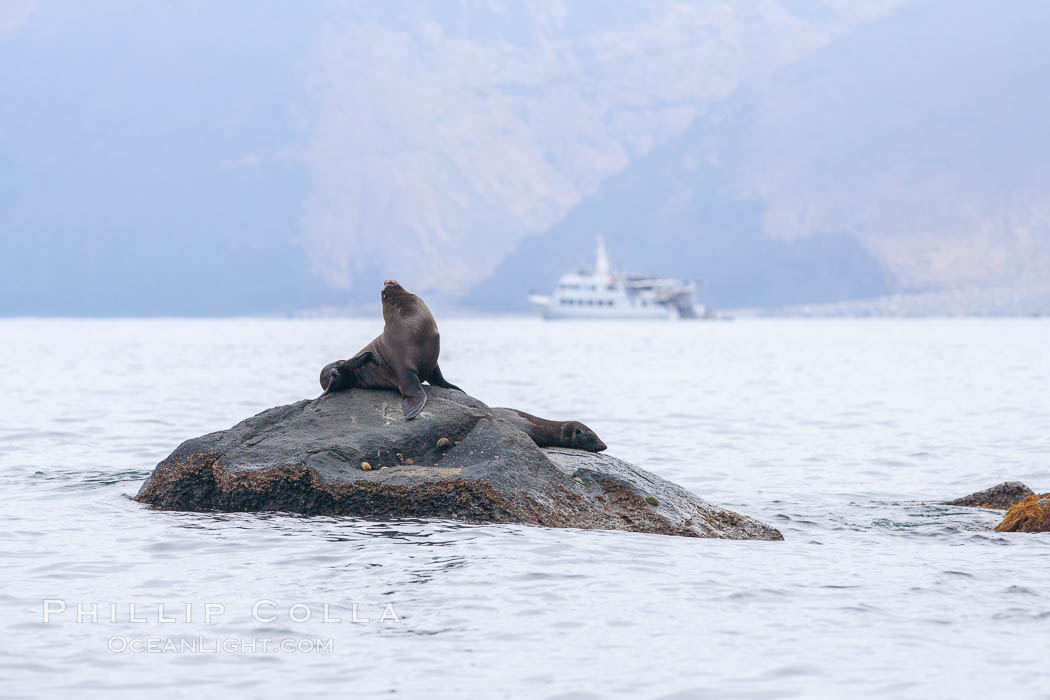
x=601 y=262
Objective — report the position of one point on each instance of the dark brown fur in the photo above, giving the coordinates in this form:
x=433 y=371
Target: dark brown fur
x=403 y=356
x=552 y=433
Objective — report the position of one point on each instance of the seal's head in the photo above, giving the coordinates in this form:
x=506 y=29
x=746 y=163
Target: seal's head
x=396 y=299
x=391 y=287
x=579 y=436
x=332 y=379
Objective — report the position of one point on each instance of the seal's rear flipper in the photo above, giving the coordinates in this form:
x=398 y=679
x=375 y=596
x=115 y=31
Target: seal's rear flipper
x=437 y=380
x=340 y=374
x=361 y=359
x=413 y=397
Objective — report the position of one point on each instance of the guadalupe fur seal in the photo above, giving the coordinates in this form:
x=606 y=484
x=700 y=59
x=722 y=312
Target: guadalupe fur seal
x=403 y=356
x=553 y=433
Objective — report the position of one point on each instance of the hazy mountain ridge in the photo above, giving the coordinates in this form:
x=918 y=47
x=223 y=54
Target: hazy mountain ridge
x=194 y=159
x=486 y=123
x=179 y=158
x=873 y=166
x=674 y=213
x=919 y=136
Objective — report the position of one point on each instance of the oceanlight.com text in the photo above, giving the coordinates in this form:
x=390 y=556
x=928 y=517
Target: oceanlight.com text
x=120 y=644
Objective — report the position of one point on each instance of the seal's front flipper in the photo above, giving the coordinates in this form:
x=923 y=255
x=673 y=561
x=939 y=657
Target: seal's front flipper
x=413 y=397
x=437 y=380
x=412 y=405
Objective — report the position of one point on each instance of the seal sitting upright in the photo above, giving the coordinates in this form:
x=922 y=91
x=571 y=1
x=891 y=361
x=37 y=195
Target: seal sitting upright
x=403 y=356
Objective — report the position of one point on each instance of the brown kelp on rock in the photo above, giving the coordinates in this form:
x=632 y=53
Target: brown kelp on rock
x=1030 y=515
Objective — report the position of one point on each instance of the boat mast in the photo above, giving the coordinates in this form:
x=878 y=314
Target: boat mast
x=601 y=262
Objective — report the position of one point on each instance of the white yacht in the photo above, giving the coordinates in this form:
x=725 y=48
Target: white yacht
x=598 y=292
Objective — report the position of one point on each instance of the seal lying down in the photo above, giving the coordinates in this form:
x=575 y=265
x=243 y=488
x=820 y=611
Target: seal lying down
x=552 y=433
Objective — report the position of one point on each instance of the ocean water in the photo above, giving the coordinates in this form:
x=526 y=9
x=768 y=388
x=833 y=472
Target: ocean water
x=837 y=432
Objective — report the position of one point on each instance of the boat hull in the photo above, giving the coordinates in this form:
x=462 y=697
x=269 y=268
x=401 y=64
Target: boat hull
x=557 y=314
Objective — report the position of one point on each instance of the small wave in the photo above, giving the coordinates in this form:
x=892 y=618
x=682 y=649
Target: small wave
x=76 y=479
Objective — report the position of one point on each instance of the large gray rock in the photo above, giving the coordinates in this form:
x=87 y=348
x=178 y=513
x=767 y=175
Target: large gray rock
x=308 y=458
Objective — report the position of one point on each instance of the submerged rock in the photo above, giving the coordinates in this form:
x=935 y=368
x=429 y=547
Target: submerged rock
x=1030 y=515
x=456 y=460
x=1000 y=496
